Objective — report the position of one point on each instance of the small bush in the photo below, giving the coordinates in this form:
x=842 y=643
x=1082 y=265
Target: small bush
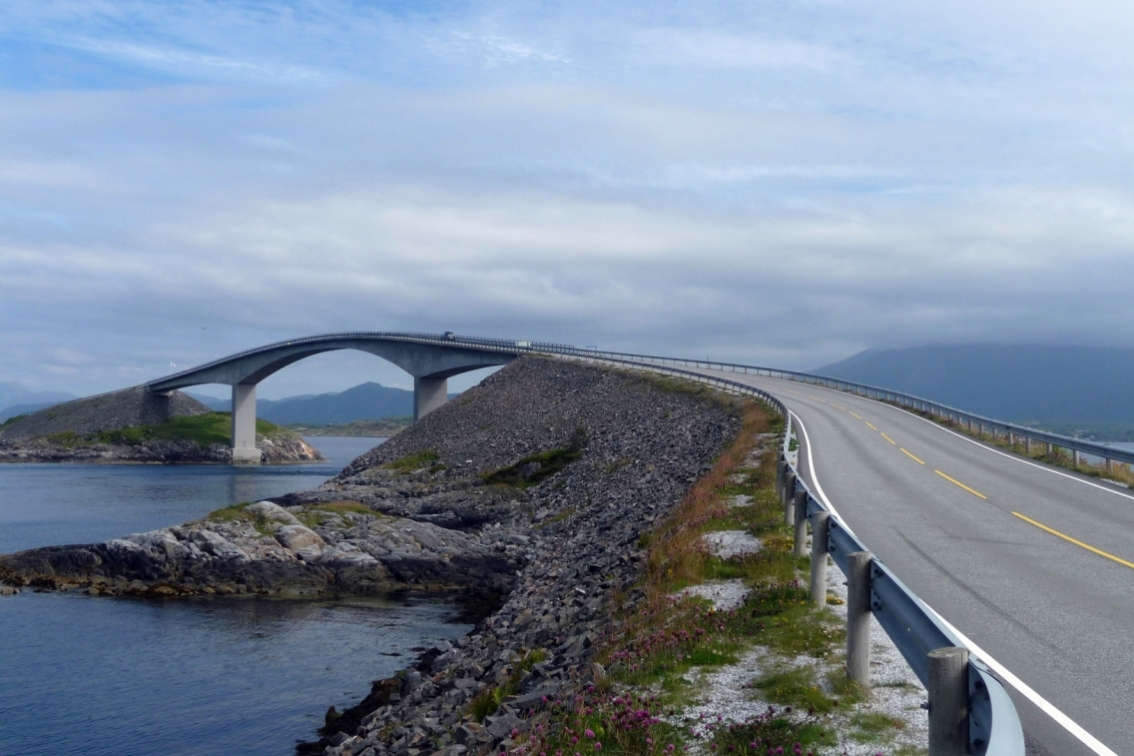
x=534 y=469
x=415 y=461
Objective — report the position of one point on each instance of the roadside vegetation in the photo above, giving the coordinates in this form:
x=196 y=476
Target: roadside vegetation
x=427 y=459
x=536 y=468
x=1057 y=457
x=653 y=661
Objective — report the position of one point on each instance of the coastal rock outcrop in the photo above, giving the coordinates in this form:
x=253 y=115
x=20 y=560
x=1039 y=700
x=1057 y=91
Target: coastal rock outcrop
x=84 y=430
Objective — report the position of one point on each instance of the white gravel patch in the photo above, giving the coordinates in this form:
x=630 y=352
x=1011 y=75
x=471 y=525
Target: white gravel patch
x=724 y=696
x=724 y=594
x=895 y=689
x=730 y=543
x=740 y=500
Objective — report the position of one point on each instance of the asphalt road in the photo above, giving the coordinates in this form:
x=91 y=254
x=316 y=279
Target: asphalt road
x=946 y=514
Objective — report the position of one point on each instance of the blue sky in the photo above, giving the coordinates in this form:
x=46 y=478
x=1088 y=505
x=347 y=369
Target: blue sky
x=781 y=183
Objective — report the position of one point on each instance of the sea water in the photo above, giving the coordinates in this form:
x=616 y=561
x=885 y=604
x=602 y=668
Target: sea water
x=127 y=676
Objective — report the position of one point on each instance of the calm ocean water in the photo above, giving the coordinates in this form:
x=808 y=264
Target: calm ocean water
x=204 y=676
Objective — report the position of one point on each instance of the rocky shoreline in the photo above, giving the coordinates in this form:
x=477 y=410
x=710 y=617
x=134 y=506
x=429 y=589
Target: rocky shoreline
x=536 y=486
x=283 y=448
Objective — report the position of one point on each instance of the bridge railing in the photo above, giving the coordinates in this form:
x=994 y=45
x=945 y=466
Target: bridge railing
x=993 y=724
x=508 y=346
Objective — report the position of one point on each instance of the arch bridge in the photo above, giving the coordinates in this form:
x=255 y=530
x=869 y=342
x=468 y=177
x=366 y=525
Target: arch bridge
x=430 y=358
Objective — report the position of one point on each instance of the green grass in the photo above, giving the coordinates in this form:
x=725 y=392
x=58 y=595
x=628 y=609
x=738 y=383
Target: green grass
x=875 y=727
x=13 y=419
x=239 y=513
x=210 y=428
x=534 y=469
x=69 y=439
x=416 y=461
x=230 y=513
x=767 y=733
x=799 y=687
x=489 y=699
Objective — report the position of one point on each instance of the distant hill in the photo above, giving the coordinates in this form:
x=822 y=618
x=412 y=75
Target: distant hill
x=1074 y=390
x=17 y=400
x=367 y=401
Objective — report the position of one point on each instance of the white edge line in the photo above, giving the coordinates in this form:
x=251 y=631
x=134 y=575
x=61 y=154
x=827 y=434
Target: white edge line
x=1029 y=463
x=815 y=478
x=1024 y=689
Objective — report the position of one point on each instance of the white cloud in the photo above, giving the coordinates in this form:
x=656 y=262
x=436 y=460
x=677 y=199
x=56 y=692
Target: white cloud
x=783 y=184
x=668 y=48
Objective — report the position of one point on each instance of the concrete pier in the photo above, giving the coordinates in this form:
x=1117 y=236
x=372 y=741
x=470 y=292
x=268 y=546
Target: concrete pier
x=428 y=395
x=244 y=451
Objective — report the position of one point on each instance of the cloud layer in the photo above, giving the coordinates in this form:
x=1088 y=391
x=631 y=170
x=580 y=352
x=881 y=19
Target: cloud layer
x=780 y=183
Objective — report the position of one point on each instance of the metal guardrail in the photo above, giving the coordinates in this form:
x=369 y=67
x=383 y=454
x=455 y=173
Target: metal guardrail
x=993 y=725
x=974 y=421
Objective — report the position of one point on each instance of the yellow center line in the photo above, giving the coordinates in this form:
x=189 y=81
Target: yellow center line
x=868 y=425
x=856 y=417
x=838 y=406
x=962 y=485
x=915 y=459
x=1100 y=552
x=889 y=439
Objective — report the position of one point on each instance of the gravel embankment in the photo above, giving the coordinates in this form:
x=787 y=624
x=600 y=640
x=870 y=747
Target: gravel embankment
x=645 y=447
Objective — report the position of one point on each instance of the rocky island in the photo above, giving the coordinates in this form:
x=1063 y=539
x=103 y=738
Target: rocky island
x=134 y=426
x=536 y=489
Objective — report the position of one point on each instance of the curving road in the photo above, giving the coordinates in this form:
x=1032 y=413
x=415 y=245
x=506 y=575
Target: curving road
x=982 y=536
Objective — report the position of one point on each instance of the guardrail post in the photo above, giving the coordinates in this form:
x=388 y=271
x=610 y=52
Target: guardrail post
x=789 y=488
x=858 y=617
x=949 y=701
x=819 y=558
x=791 y=506
x=1075 y=456
x=801 y=524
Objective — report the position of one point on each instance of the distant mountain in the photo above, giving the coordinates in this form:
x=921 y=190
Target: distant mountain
x=1065 y=389
x=368 y=401
x=23 y=409
x=17 y=400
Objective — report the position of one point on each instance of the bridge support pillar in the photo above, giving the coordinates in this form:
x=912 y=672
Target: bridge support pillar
x=428 y=395
x=244 y=451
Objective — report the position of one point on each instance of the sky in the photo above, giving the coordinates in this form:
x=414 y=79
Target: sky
x=776 y=183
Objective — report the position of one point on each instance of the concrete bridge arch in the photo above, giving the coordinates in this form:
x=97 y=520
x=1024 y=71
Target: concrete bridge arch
x=430 y=359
